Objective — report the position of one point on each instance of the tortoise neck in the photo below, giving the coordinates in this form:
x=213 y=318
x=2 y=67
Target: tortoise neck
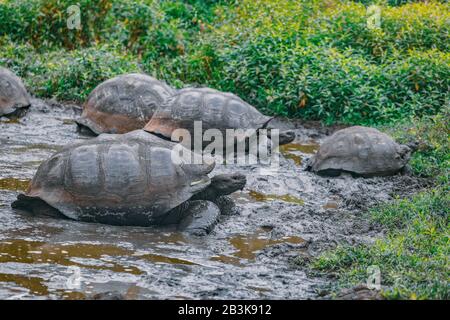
x=208 y=193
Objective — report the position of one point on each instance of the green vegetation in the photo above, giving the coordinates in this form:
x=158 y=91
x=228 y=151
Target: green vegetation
x=414 y=256
x=414 y=260
x=66 y=75
x=311 y=59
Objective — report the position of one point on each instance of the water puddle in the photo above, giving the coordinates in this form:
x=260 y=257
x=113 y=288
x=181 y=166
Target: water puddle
x=255 y=196
x=156 y=258
x=36 y=146
x=67 y=121
x=332 y=203
x=294 y=151
x=36 y=252
x=247 y=246
x=35 y=285
x=258 y=196
x=14 y=184
x=259 y=289
x=10 y=121
x=80 y=254
x=38 y=255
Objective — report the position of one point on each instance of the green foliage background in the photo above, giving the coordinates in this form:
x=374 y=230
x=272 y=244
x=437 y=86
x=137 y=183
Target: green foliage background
x=298 y=58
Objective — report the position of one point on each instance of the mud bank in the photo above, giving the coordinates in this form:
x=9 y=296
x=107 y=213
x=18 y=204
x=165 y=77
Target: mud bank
x=284 y=213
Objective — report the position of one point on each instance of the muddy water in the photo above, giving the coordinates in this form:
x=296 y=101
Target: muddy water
x=247 y=256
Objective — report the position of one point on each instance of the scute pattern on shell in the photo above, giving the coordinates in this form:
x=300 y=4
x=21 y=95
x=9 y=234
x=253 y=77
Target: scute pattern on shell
x=360 y=150
x=13 y=94
x=125 y=179
x=124 y=103
x=216 y=110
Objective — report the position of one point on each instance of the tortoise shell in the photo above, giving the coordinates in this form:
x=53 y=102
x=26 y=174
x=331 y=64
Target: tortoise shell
x=124 y=179
x=124 y=103
x=13 y=95
x=360 y=150
x=216 y=110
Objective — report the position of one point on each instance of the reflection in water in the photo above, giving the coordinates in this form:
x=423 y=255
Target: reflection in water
x=293 y=151
x=330 y=205
x=32 y=252
x=83 y=255
x=14 y=184
x=36 y=146
x=10 y=120
x=156 y=258
x=68 y=121
x=38 y=255
x=248 y=245
x=34 y=284
x=226 y=259
x=270 y=197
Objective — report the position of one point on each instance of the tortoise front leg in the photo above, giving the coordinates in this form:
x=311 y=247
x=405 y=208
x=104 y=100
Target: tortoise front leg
x=200 y=217
x=227 y=206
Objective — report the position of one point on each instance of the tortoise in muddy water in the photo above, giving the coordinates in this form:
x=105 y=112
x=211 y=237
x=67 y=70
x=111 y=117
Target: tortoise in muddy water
x=123 y=104
x=215 y=109
x=361 y=151
x=129 y=179
x=14 y=98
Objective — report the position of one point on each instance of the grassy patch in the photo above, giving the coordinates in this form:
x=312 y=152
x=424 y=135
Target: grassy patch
x=414 y=260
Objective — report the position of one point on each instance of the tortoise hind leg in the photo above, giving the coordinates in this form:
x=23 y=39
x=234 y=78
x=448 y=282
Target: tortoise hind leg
x=36 y=206
x=200 y=217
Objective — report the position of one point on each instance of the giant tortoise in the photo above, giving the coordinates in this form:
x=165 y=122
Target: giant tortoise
x=214 y=110
x=361 y=151
x=129 y=179
x=14 y=98
x=123 y=104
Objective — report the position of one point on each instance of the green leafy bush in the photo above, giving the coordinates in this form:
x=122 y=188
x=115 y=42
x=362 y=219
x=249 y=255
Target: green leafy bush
x=410 y=26
x=65 y=75
x=43 y=23
x=318 y=60
x=284 y=77
x=432 y=158
x=310 y=59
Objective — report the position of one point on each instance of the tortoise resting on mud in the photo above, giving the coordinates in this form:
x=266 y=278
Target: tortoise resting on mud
x=361 y=151
x=14 y=98
x=129 y=179
x=123 y=104
x=215 y=110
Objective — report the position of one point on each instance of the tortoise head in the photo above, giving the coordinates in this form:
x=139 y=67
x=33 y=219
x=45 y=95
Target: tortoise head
x=224 y=184
x=286 y=137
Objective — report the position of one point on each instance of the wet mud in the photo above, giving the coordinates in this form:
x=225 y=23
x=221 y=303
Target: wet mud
x=284 y=213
